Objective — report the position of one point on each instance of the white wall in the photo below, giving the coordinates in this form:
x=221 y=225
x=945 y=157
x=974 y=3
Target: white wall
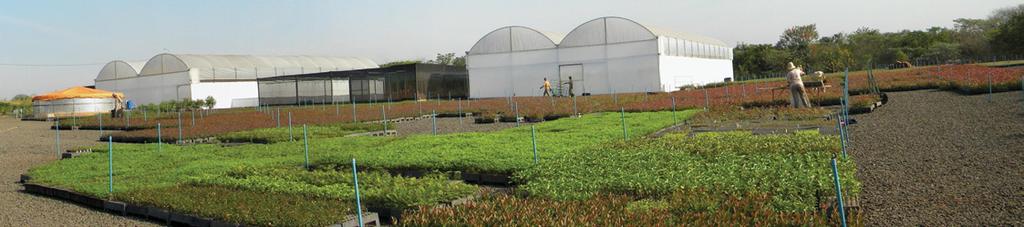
x=679 y=71
x=503 y=74
x=620 y=67
x=227 y=94
x=150 y=89
x=181 y=85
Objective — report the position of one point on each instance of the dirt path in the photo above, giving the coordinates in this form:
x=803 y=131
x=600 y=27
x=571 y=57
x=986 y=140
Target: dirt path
x=24 y=144
x=938 y=159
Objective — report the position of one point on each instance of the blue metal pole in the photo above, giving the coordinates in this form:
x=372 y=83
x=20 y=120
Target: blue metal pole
x=622 y=116
x=533 y=134
x=110 y=164
x=846 y=103
x=842 y=135
x=989 y=87
x=839 y=192
x=278 y=117
x=291 y=136
x=575 y=111
x=354 y=112
x=433 y=121
x=179 y=128
x=159 y=138
x=460 y=111
x=673 y=109
x=615 y=97
x=193 y=114
x=707 y=99
x=516 y=105
x=305 y=142
x=385 y=116
x=57 y=124
x=355 y=183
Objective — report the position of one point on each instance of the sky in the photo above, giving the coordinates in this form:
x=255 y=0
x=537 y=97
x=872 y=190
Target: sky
x=51 y=45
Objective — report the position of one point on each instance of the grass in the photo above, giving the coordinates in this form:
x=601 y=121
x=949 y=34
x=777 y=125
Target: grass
x=683 y=207
x=792 y=168
x=582 y=162
x=246 y=207
x=276 y=168
x=501 y=152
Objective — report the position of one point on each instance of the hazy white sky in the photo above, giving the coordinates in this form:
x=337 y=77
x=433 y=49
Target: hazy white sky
x=84 y=32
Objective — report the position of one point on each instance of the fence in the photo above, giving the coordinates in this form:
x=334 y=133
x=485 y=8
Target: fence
x=913 y=63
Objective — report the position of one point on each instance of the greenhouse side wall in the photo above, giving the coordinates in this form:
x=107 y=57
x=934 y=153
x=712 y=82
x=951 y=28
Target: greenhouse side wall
x=395 y=83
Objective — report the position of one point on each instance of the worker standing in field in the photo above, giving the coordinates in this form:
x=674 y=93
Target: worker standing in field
x=116 y=112
x=546 y=87
x=796 y=87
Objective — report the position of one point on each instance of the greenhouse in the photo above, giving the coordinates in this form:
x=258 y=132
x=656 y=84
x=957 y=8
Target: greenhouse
x=73 y=102
x=604 y=55
x=401 y=82
x=230 y=79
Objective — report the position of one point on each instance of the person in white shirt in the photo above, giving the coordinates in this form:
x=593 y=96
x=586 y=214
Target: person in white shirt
x=796 y=87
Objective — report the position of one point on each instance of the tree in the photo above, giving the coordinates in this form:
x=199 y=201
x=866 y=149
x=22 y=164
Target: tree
x=210 y=102
x=400 y=62
x=797 y=40
x=1009 y=37
x=942 y=51
x=199 y=104
x=750 y=60
x=866 y=45
x=21 y=97
x=1002 y=16
x=829 y=57
x=449 y=59
x=798 y=37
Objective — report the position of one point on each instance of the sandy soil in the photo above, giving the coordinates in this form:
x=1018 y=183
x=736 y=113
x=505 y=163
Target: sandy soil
x=24 y=144
x=936 y=158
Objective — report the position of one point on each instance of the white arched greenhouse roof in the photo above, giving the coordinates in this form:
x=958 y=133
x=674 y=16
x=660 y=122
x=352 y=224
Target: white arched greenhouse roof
x=249 y=66
x=119 y=69
x=608 y=30
x=515 y=38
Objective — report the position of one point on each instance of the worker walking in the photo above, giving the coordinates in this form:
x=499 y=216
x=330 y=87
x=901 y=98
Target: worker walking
x=571 y=91
x=546 y=87
x=796 y=87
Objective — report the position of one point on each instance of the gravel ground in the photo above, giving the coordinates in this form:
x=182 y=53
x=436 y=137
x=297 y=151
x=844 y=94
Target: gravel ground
x=936 y=158
x=24 y=144
x=448 y=125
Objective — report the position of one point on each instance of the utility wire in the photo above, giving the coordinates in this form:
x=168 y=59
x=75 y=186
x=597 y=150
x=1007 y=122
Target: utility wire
x=51 y=65
x=59 y=65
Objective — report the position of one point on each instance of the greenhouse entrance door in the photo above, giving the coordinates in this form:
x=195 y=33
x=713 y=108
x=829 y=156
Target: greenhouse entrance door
x=565 y=72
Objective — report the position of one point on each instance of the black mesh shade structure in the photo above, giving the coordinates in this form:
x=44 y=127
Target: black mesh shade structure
x=394 y=83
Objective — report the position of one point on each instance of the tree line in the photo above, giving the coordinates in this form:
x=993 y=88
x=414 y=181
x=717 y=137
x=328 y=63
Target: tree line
x=997 y=37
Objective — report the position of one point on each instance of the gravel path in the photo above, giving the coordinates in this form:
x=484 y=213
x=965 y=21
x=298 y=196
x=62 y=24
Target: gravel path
x=448 y=125
x=24 y=144
x=936 y=158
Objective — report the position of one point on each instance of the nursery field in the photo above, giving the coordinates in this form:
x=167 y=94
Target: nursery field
x=578 y=160
x=620 y=159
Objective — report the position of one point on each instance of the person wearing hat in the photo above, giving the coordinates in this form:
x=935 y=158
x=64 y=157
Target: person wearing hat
x=796 y=87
